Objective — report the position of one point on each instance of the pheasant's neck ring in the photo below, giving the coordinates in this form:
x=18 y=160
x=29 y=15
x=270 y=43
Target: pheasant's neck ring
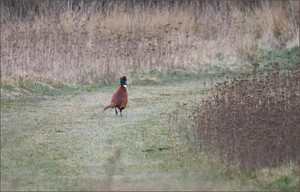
x=124 y=86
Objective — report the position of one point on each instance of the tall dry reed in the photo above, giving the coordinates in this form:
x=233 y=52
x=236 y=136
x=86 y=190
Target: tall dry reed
x=94 y=41
x=252 y=121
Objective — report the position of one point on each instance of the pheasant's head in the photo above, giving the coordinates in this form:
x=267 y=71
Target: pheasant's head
x=123 y=81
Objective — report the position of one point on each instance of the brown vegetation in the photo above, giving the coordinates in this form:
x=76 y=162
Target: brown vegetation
x=252 y=120
x=94 y=41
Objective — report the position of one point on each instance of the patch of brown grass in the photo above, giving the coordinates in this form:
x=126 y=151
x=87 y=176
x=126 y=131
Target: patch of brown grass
x=252 y=120
x=94 y=41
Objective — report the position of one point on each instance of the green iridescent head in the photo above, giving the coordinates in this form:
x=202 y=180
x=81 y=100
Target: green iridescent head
x=123 y=81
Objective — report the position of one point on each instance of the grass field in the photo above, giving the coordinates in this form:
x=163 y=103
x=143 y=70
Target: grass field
x=66 y=143
x=212 y=85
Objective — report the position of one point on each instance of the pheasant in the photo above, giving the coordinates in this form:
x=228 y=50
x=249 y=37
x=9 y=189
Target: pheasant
x=120 y=98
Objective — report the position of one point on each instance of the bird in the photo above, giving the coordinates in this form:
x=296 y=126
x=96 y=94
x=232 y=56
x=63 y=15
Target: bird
x=120 y=97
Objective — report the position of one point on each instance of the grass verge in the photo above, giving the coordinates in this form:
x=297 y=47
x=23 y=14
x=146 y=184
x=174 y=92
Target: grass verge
x=66 y=143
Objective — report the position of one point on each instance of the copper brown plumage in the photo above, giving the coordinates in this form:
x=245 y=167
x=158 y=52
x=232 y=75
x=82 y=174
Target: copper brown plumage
x=120 y=98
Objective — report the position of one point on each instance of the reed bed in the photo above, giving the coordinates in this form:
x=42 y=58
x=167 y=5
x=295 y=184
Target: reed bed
x=252 y=120
x=91 y=42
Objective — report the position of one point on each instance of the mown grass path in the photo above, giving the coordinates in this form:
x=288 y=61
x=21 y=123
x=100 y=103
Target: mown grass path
x=67 y=143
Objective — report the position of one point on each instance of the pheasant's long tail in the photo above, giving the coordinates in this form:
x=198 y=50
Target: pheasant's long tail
x=112 y=105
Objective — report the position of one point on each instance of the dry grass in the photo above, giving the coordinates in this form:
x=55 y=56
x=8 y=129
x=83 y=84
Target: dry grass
x=95 y=41
x=252 y=120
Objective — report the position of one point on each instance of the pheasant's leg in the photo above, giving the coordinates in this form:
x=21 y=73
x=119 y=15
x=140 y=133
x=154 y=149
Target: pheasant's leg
x=116 y=111
x=121 y=112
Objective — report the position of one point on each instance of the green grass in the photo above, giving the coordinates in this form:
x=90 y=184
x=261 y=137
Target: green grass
x=288 y=58
x=55 y=137
x=66 y=143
